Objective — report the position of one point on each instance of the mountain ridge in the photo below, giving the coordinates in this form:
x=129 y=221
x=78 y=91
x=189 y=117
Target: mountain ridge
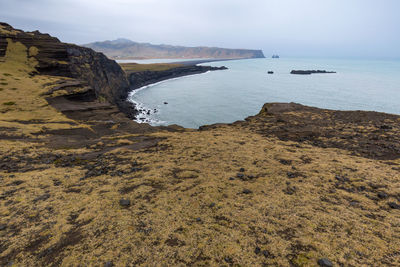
x=124 y=48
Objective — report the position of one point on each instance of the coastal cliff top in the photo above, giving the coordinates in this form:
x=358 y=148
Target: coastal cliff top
x=134 y=67
x=83 y=185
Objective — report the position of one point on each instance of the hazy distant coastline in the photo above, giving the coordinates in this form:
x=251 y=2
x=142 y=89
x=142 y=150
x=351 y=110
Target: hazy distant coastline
x=127 y=49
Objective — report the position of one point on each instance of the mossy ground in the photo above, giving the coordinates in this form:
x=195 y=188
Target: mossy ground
x=292 y=204
x=186 y=210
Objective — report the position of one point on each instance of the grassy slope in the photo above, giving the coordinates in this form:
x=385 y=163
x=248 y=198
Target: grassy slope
x=21 y=94
x=133 y=67
x=185 y=210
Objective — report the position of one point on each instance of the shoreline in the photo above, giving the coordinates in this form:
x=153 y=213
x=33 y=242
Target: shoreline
x=145 y=78
x=145 y=116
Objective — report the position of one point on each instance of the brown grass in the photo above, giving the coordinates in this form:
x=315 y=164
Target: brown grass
x=185 y=209
x=133 y=67
x=27 y=103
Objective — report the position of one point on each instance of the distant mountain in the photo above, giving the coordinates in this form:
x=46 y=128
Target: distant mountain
x=126 y=49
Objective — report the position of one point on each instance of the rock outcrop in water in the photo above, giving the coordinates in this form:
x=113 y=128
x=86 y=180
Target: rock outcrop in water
x=308 y=72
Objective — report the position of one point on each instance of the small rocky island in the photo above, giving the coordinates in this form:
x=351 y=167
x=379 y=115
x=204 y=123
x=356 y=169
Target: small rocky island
x=309 y=72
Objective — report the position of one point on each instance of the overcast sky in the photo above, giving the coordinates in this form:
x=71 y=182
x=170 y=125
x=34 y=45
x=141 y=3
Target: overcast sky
x=337 y=28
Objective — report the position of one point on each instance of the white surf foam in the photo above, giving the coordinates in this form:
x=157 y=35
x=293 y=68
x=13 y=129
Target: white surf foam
x=146 y=114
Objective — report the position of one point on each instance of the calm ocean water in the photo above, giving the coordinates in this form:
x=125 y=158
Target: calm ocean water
x=234 y=94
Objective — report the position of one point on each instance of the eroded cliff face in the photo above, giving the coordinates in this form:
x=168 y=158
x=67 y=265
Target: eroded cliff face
x=103 y=76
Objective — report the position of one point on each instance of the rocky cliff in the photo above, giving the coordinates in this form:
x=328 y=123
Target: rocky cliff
x=123 y=48
x=103 y=77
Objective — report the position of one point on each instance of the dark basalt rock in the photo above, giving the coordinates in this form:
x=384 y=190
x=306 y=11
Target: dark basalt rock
x=293 y=174
x=266 y=253
x=228 y=260
x=324 y=262
x=240 y=175
x=124 y=203
x=382 y=195
x=285 y=161
x=3 y=41
x=308 y=72
x=394 y=205
x=386 y=127
x=247 y=191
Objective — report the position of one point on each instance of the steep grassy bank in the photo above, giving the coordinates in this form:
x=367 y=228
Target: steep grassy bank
x=286 y=187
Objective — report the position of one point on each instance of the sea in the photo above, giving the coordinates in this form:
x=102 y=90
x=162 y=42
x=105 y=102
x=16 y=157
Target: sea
x=226 y=96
